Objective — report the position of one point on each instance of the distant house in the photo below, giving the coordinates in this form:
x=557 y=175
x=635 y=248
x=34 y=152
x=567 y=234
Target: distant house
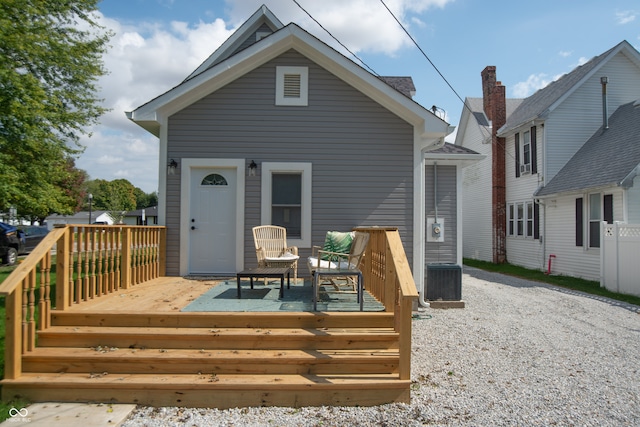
x=558 y=164
x=277 y=127
x=97 y=217
x=147 y=216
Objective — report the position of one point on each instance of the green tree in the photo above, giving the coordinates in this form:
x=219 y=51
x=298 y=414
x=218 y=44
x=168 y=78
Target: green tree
x=50 y=60
x=144 y=200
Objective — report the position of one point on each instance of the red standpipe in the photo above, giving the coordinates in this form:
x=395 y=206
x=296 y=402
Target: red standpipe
x=549 y=267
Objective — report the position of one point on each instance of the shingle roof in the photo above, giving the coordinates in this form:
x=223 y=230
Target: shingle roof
x=449 y=148
x=403 y=85
x=537 y=105
x=606 y=159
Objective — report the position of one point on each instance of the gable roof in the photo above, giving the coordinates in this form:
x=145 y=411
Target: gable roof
x=611 y=157
x=262 y=18
x=540 y=104
x=474 y=110
x=212 y=75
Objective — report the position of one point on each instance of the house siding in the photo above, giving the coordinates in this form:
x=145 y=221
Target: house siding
x=526 y=252
x=362 y=154
x=572 y=260
x=580 y=115
x=447 y=205
x=633 y=198
x=476 y=189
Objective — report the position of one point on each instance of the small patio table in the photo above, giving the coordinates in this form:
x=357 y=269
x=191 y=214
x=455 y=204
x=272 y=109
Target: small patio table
x=325 y=272
x=266 y=273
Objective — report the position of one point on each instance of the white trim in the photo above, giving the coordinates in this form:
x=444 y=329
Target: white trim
x=303 y=99
x=431 y=129
x=186 y=165
x=162 y=174
x=305 y=169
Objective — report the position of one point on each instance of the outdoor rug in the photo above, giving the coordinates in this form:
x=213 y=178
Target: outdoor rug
x=224 y=297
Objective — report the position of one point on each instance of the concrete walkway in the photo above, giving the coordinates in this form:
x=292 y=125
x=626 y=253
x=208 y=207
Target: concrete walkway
x=68 y=415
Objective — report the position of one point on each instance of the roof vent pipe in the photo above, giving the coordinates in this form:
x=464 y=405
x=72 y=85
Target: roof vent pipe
x=605 y=116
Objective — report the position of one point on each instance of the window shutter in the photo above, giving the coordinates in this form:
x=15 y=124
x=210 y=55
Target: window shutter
x=608 y=208
x=579 y=222
x=517 y=155
x=536 y=220
x=534 y=151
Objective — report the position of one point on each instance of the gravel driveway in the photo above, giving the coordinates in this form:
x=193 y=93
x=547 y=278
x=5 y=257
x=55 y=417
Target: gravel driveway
x=520 y=354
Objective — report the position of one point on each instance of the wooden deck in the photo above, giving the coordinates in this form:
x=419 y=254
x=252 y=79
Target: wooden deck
x=132 y=343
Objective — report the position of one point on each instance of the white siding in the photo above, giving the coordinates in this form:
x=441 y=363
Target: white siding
x=572 y=260
x=633 y=202
x=580 y=115
x=525 y=252
x=476 y=193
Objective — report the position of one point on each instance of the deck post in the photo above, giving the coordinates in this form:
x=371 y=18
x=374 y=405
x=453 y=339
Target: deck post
x=162 y=256
x=13 y=337
x=125 y=264
x=63 y=269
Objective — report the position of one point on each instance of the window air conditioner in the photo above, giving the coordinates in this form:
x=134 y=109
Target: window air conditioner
x=525 y=168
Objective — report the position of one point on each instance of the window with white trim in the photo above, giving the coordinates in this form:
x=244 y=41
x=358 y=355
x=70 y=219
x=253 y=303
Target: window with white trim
x=292 y=86
x=595 y=217
x=589 y=216
x=286 y=200
x=521 y=219
x=525 y=152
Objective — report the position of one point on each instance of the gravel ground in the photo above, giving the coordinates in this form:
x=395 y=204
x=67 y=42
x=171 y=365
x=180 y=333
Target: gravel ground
x=520 y=354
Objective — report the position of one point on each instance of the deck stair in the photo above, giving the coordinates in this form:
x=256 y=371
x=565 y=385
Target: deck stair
x=215 y=359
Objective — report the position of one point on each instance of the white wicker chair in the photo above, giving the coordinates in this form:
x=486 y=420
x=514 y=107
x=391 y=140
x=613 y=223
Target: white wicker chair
x=272 y=249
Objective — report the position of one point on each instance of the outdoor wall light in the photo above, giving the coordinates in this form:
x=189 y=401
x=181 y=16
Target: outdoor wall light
x=171 y=167
x=252 y=168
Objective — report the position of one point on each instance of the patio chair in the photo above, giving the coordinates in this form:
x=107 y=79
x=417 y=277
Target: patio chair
x=272 y=249
x=341 y=251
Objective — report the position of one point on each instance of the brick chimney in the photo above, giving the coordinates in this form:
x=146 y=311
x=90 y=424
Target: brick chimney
x=495 y=108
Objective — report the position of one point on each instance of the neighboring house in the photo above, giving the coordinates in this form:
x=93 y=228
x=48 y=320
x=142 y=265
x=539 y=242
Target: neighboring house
x=147 y=216
x=97 y=217
x=276 y=127
x=562 y=169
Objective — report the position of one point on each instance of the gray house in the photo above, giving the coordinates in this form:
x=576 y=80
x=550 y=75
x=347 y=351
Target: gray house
x=276 y=127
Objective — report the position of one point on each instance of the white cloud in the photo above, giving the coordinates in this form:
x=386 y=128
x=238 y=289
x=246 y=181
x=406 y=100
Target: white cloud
x=565 y=53
x=532 y=84
x=361 y=25
x=626 y=16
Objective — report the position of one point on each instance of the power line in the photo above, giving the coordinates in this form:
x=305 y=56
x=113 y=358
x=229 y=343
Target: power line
x=335 y=38
x=464 y=104
x=420 y=49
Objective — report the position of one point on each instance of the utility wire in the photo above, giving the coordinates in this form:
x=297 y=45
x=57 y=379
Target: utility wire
x=335 y=38
x=464 y=104
x=422 y=51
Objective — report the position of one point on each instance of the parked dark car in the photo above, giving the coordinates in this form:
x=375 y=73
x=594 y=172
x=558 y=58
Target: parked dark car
x=10 y=244
x=31 y=235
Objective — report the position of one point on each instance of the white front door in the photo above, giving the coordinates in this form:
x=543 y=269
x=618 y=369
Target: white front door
x=212 y=221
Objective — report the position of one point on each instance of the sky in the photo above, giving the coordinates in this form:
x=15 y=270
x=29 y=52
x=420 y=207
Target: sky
x=157 y=43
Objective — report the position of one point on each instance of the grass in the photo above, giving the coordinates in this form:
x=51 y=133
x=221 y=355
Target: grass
x=588 y=286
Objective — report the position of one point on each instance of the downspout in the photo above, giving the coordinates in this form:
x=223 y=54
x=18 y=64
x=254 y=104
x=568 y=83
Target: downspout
x=605 y=116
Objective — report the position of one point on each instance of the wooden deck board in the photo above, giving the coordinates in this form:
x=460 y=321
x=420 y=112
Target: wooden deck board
x=164 y=294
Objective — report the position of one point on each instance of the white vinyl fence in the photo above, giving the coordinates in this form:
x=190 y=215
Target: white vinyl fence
x=620 y=258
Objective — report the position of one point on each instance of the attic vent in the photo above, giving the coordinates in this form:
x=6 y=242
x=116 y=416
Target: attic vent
x=292 y=85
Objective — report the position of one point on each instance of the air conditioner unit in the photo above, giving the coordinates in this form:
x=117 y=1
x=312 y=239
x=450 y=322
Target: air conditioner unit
x=444 y=282
x=525 y=168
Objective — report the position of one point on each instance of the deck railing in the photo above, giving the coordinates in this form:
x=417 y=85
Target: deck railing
x=91 y=261
x=388 y=278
